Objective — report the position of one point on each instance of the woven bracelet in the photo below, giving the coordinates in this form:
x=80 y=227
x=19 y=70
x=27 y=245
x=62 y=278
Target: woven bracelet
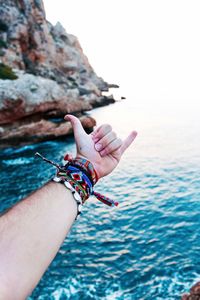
x=79 y=176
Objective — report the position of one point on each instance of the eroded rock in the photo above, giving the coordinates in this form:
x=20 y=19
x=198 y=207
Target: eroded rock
x=194 y=293
x=54 y=75
x=39 y=130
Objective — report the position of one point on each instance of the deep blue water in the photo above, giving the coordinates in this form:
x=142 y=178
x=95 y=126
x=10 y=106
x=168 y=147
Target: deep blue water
x=146 y=248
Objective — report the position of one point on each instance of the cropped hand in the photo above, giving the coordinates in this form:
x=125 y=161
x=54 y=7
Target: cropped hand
x=102 y=147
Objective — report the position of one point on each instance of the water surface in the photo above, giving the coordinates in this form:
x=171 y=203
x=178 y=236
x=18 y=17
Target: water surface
x=146 y=248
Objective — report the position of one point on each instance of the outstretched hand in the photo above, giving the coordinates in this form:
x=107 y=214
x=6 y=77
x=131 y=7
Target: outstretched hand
x=102 y=147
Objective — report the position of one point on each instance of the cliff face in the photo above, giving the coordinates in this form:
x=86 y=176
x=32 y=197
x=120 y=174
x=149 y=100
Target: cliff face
x=37 y=47
x=54 y=76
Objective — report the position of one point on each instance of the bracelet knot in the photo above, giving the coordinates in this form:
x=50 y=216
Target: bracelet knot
x=79 y=176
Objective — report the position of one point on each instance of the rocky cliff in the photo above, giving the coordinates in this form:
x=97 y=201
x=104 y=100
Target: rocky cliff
x=44 y=74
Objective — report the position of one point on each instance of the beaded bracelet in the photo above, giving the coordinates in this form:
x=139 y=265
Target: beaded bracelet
x=79 y=176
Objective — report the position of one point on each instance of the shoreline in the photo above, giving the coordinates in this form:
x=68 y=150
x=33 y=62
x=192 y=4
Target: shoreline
x=46 y=126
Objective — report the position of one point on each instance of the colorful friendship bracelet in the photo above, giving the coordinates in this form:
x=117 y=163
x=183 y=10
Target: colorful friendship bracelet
x=79 y=176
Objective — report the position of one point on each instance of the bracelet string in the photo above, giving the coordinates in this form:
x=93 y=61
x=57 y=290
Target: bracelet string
x=79 y=176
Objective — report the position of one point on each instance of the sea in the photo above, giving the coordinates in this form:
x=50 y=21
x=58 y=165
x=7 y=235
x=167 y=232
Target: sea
x=147 y=248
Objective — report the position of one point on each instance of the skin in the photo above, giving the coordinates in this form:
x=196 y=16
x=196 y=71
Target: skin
x=32 y=232
x=112 y=148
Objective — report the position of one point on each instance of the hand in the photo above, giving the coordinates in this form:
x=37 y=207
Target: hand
x=104 y=158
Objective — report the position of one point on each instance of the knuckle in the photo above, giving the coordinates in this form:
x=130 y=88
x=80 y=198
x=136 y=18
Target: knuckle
x=107 y=127
x=104 y=129
x=119 y=141
x=103 y=152
x=114 y=135
x=105 y=141
x=108 y=148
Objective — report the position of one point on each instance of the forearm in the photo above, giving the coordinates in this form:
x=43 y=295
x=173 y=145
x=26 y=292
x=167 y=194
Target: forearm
x=32 y=231
x=31 y=234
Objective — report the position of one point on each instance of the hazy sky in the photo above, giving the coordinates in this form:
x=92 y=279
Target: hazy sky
x=151 y=48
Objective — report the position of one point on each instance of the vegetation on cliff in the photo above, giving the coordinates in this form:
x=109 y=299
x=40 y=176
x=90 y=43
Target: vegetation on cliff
x=6 y=72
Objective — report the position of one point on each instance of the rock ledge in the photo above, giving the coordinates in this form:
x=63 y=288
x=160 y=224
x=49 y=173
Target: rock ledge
x=52 y=76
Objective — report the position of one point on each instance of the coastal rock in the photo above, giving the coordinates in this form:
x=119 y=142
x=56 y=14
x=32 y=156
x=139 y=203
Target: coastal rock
x=194 y=293
x=51 y=75
x=39 y=130
x=37 y=47
x=30 y=94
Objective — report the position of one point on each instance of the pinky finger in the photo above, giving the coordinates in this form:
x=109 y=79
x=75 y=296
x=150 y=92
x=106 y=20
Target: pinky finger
x=128 y=141
x=113 y=146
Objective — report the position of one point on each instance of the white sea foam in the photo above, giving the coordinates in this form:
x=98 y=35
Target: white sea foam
x=18 y=161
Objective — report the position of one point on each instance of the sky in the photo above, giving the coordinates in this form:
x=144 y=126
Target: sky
x=150 y=48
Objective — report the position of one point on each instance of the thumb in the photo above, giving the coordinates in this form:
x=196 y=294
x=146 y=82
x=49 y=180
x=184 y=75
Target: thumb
x=76 y=126
x=128 y=141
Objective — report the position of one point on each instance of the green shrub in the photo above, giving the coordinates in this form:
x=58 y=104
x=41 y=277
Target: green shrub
x=3 y=44
x=6 y=72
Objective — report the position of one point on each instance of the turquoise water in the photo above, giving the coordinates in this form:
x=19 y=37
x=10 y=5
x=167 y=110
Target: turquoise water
x=146 y=248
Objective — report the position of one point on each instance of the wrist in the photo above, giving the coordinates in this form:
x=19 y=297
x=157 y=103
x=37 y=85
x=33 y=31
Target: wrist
x=95 y=166
x=79 y=176
x=86 y=165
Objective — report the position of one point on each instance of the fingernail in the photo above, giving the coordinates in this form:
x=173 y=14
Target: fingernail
x=67 y=117
x=98 y=147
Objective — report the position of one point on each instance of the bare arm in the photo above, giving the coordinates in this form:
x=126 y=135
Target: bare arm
x=31 y=234
x=33 y=230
